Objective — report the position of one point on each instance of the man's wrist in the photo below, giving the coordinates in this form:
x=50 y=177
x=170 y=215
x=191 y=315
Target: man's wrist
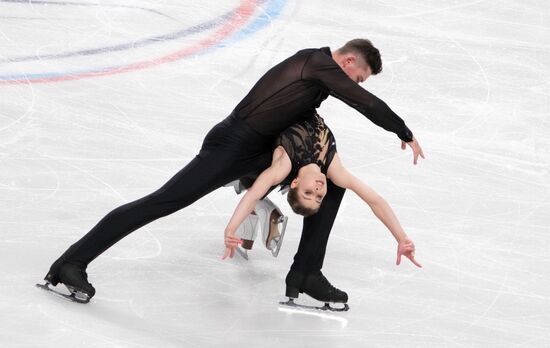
x=406 y=136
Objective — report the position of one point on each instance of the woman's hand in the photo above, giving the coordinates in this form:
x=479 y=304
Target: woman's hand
x=231 y=242
x=406 y=247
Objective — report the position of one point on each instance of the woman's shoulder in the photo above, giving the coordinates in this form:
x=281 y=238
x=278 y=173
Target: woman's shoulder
x=279 y=151
x=281 y=163
x=280 y=156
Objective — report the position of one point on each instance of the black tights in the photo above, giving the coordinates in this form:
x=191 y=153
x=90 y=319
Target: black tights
x=316 y=231
x=230 y=150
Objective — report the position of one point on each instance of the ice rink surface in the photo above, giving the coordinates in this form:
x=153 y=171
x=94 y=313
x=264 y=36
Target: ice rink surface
x=102 y=102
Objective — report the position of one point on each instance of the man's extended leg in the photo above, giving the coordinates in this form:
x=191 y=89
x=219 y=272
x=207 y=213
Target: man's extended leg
x=229 y=151
x=205 y=173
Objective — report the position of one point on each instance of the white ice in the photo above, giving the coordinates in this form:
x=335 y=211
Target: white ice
x=471 y=79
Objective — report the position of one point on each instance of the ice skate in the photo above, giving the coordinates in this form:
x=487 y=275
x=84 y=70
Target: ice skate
x=273 y=225
x=73 y=277
x=317 y=286
x=237 y=185
x=247 y=231
x=284 y=189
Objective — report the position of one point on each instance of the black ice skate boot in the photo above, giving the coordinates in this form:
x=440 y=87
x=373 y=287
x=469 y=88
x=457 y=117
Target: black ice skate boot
x=317 y=286
x=73 y=277
x=294 y=282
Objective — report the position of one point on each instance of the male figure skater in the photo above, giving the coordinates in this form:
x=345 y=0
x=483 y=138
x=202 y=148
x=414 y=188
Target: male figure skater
x=242 y=144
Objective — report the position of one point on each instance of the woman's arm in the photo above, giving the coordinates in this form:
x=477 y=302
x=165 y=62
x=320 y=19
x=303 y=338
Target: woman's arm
x=279 y=169
x=341 y=177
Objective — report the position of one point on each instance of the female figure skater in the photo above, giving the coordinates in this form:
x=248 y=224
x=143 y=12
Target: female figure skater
x=304 y=157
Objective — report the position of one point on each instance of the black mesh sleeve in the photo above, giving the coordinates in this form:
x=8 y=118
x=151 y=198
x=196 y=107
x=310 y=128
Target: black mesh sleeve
x=324 y=71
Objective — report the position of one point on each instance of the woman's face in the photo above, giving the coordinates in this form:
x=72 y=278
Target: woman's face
x=312 y=188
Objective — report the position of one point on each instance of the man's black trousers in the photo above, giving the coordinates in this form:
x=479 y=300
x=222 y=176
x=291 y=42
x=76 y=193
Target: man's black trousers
x=229 y=151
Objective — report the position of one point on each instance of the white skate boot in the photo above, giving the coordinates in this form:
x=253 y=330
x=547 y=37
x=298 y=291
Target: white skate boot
x=247 y=231
x=273 y=225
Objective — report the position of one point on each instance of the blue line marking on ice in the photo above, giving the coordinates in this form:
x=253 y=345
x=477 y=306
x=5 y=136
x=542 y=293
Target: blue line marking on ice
x=272 y=10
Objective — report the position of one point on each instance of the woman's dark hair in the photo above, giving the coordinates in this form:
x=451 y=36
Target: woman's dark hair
x=294 y=202
x=365 y=49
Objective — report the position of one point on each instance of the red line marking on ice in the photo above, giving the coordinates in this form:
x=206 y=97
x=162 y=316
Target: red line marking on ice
x=242 y=14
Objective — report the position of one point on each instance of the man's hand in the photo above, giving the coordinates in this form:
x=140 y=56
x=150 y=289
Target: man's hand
x=406 y=247
x=231 y=243
x=415 y=146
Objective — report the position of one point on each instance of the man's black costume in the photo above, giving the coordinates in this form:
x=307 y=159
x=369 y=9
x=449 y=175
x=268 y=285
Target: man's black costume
x=239 y=145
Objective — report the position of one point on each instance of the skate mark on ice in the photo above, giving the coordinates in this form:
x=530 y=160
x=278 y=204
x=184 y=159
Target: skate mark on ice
x=26 y=114
x=126 y=46
x=124 y=200
x=89 y=4
x=88 y=173
x=477 y=114
x=435 y=10
x=99 y=338
x=315 y=313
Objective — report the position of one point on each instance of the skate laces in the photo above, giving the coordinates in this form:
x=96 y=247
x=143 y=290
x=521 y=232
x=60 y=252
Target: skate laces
x=325 y=281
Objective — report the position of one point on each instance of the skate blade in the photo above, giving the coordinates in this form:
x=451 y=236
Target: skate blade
x=242 y=252
x=327 y=307
x=75 y=296
x=275 y=251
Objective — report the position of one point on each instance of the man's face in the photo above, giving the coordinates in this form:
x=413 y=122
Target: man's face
x=312 y=188
x=355 y=68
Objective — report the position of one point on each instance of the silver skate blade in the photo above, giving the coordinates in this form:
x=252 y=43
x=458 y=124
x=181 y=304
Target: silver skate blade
x=75 y=296
x=326 y=307
x=242 y=252
x=79 y=296
x=323 y=314
x=275 y=251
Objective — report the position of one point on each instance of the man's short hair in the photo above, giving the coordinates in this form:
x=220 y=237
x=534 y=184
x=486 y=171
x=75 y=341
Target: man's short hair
x=294 y=201
x=367 y=51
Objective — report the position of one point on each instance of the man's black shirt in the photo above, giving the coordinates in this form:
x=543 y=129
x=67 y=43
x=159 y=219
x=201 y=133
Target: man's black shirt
x=292 y=90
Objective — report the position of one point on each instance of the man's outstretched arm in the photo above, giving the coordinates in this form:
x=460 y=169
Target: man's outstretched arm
x=324 y=71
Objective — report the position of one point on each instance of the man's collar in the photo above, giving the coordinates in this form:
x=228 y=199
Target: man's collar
x=326 y=50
